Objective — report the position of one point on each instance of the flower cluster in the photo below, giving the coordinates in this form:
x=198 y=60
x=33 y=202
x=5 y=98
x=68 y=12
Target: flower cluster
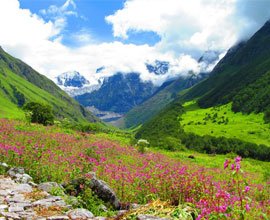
x=51 y=154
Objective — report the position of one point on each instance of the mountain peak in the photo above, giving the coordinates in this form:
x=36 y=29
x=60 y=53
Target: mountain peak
x=158 y=67
x=71 y=79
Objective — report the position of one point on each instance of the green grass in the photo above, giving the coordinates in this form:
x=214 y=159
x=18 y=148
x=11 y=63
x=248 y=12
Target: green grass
x=9 y=109
x=259 y=168
x=222 y=121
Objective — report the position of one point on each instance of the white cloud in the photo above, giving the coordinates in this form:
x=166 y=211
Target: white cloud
x=191 y=26
x=186 y=28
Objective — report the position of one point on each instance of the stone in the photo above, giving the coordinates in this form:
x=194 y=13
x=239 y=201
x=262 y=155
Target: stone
x=15 y=170
x=22 y=188
x=15 y=209
x=4 y=192
x=104 y=192
x=103 y=208
x=53 y=200
x=25 y=178
x=4 y=166
x=62 y=217
x=14 y=216
x=150 y=217
x=80 y=214
x=135 y=206
x=49 y=186
x=3 y=207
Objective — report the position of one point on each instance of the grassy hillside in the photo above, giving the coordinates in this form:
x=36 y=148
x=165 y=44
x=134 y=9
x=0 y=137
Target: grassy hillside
x=222 y=121
x=239 y=83
x=20 y=84
x=241 y=77
x=159 y=100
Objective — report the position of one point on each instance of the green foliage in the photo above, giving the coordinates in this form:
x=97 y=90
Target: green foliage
x=241 y=77
x=267 y=116
x=222 y=145
x=20 y=84
x=40 y=113
x=158 y=101
x=162 y=126
x=176 y=127
x=221 y=121
x=142 y=145
x=90 y=201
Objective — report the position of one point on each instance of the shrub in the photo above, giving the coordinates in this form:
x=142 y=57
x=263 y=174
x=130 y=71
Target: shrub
x=39 y=113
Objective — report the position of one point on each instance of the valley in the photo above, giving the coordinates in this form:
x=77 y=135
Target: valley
x=111 y=112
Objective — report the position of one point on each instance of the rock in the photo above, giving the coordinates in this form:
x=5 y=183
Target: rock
x=150 y=217
x=3 y=207
x=58 y=218
x=80 y=214
x=49 y=186
x=15 y=209
x=14 y=216
x=135 y=206
x=103 y=208
x=22 y=188
x=32 y=184
x=51 y=201
x=4 y=166
x=25 y=178
x=15 y=170
x=104 y=192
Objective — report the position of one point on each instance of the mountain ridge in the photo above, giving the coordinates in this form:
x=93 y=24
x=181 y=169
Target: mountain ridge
x=20 y=83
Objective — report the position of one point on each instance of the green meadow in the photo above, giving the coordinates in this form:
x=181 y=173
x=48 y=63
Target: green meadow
x=222 y=121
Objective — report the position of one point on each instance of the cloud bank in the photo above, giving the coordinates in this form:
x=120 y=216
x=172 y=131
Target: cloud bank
x=186 y=28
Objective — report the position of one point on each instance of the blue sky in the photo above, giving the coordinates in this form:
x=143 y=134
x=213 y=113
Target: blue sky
x=56 y=36
x=91 y=19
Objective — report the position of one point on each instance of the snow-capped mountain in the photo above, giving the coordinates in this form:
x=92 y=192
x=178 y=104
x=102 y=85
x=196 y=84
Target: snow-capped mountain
x=158 y=67
x=71 y=79
x=118 y=93
x=76 y=84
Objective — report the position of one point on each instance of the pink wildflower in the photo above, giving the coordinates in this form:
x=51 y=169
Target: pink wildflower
x=238 y=159
x=247 y=207
x=226 y=164
x=247 y=188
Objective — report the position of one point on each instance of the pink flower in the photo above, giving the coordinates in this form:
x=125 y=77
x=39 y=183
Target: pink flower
x=232 y=166
x=238 y=159
x=247 y=207
x=247 y=188
x=237 y=167
x=226 y=164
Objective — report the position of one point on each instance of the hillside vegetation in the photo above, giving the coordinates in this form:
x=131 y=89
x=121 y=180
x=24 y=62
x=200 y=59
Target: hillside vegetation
x=20 y=84
x=239 y=83
x=221 y=121
x=57 y=154
x=143 y=112
x=241 y=77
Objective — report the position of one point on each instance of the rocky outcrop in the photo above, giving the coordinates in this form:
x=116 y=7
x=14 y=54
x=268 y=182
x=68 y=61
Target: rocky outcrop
x=99 y=187
x=20 y=198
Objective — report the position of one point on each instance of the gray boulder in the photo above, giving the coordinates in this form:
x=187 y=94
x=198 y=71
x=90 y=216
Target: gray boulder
x=104 y=192
x=49 y=186
x=80 y=214
x=150 y=217
x=15 y=170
